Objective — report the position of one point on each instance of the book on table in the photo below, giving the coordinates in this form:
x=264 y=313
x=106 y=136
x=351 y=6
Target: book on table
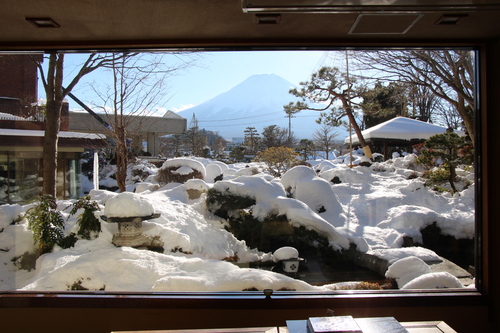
x=380 y=325
x=334 y=324
x=344 y=324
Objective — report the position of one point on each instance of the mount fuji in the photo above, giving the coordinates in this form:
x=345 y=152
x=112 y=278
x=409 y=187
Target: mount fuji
x=256 y=102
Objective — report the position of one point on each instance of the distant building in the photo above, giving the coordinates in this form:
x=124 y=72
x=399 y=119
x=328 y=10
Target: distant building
x=141 y=128
x=397 y=134
x=18 y=83
x=21 y=137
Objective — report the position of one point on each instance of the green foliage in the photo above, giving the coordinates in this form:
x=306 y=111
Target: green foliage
x=90 y=226
x=438 y=177
x=413 y=175
x=237 y=154
x=382 y=103
x=205 y=152
x=306 y=148
x=222 y=203
x=325 y=87
x=47 y=224
x=252 y=140
x=445 y=151
x=278 y=159
x=246 y=227
x=274 y=136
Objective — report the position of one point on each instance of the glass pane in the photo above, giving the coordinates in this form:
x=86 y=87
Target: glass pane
x=312 y=170
x=20 y=178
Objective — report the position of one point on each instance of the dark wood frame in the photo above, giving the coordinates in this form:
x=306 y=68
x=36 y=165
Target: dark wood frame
x=177 y=310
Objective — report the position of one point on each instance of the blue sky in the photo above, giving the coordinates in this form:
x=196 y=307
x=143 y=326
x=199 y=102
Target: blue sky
x=215 y=73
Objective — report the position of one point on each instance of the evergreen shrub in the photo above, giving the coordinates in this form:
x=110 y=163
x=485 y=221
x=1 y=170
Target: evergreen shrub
x=89 y=224
x=47 y=224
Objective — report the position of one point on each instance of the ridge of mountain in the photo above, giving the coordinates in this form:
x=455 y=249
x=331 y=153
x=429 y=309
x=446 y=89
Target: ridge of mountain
x=256 y=102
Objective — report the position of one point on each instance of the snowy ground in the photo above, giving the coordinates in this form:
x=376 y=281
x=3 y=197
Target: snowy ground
x=372 y=207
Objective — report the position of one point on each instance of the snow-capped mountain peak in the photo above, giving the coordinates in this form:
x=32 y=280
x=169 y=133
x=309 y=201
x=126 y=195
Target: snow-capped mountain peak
x=256 y=102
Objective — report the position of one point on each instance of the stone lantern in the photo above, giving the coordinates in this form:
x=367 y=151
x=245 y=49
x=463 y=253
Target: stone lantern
x=291 y=265
x=129 y=210
x=130 y=230
x=289 y=259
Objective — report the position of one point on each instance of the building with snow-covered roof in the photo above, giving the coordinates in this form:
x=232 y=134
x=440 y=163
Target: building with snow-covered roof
x=21 y=163
x=397 y=134
x=141 y=128
x=22 y=129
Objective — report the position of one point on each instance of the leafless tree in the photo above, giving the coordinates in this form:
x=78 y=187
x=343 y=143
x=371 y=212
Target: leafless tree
x=139 y=84
x=55 y=91
x=448 y=74
x=422 y=103
x=448 y=116
x=324 y=138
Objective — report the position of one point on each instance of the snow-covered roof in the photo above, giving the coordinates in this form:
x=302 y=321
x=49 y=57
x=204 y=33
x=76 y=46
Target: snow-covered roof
x=400 y=128
x=171 y=114
x=62 y=134
x=8 y=116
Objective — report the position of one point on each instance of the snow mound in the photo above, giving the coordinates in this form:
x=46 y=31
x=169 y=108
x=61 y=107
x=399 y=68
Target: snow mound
x=213 y=171
x=392 y=255
x=257 y=187
x=270 y=197
x=128 y=204
x=8 y=213
x=183 y=170
x=185 y=163
x=316 y=192
x=406 y=269
x=371 y=207
x=410 y=219
x=433 y=281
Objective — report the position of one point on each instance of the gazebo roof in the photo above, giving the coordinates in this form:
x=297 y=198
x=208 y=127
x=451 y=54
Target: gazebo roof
x=399 y=128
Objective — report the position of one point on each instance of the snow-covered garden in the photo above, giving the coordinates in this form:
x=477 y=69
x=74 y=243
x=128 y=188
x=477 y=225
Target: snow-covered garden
x=205 y=238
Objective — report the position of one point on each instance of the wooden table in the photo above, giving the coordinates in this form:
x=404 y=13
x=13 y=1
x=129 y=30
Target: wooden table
x=411 y=327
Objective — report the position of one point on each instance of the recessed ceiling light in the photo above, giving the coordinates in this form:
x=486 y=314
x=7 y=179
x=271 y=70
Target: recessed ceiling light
x=43 y=22
x=450 y=19
x=267 y=18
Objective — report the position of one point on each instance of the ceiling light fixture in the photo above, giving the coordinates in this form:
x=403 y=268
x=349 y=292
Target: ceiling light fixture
x=450 y=19
x=363 y=6
x=43 y=22
x=267 y=18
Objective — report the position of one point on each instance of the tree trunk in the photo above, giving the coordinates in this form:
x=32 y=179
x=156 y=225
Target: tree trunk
x=52 y=115
x=348 y=110
x=466 y=117
x=121 y=159
x=50 y=148
x=453 y=176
